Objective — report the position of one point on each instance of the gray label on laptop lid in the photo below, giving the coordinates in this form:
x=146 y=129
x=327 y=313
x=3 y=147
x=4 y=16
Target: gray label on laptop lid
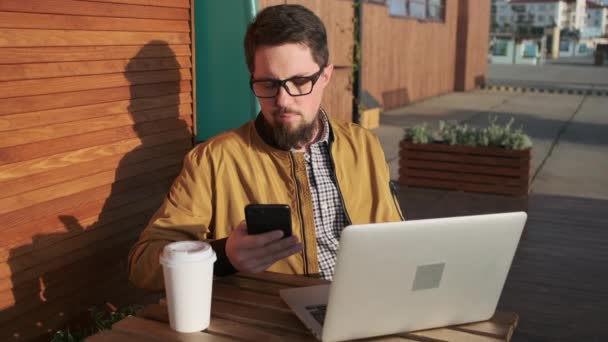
x=428 y=276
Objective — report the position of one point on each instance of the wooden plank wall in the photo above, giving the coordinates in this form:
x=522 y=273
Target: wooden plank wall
x=337 y=15
x=473 y=40
x=95 y=118
x=405 y=60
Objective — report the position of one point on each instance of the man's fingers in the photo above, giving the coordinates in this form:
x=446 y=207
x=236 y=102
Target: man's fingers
x=271 y=259
x=275 y=256
x=273 y=247
x=261 y=240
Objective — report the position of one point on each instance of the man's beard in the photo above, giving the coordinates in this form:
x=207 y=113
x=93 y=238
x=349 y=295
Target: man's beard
x=288 y=138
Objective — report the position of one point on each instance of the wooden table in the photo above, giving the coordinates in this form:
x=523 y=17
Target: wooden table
x=248 y=307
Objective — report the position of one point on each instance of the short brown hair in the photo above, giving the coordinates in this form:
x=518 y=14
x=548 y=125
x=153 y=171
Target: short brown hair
x=282 y=24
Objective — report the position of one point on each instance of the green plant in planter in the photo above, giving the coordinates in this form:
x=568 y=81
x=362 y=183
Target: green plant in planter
x=454 y=133
x=419 y=134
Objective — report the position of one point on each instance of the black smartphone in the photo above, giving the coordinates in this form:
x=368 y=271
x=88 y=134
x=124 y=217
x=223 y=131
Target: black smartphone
x=262 y=218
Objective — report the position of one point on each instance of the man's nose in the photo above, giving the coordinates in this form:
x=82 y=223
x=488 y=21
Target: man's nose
x=283 y=99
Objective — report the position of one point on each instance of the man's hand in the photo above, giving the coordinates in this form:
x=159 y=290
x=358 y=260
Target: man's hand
x=256 y=253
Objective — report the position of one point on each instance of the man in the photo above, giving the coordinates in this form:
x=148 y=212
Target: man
x=331 y=174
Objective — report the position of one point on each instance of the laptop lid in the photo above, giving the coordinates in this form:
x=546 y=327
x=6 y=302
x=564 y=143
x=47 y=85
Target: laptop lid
x=420 y=274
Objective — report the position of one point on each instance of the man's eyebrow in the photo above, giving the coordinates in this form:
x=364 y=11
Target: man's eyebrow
x=302 y=74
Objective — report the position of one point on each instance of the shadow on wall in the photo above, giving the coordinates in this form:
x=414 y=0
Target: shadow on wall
x=59 y=276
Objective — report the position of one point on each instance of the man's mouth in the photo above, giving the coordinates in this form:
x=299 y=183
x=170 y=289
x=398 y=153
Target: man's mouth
x=287 y=116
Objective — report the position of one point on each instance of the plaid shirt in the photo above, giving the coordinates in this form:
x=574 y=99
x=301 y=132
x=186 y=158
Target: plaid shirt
x=328 y=210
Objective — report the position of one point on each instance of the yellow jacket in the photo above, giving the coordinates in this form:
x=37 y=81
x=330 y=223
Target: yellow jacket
x=221 y=176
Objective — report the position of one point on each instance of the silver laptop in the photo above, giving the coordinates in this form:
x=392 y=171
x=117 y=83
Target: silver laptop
x=413 y=275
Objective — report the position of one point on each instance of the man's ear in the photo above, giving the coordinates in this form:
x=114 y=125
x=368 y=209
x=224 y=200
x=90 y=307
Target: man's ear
x=326 y=75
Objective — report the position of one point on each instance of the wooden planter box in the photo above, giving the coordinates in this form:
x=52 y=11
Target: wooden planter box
x=473 y=169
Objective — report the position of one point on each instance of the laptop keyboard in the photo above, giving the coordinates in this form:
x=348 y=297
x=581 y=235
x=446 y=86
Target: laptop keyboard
x=318 y=312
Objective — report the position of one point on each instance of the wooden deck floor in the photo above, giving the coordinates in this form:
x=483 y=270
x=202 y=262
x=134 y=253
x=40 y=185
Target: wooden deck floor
x=558 y=282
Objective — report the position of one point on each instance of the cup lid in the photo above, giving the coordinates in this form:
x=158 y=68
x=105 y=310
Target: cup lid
x=187 y=251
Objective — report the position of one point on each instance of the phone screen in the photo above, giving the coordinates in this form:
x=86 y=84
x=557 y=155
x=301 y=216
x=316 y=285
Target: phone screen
x=262 y=218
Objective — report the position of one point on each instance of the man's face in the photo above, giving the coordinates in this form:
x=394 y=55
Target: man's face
x=293 y=118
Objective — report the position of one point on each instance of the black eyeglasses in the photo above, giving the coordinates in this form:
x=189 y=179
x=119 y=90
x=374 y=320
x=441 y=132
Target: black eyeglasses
x=295 y=86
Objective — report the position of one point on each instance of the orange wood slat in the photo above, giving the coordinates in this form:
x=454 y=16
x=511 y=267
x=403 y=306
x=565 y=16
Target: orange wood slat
x=31 y=237
x=478 y=150
x=120 y=191
x=89 y=23
x=47 y=163
x=220 y=330
x=29 y=266
x=445 y=184
x=13 y=187
x=47 y=219
x=462 y=177
x=30 y=37
x=467 y=158
x=162 y=3
x=92 y=8
x=445 y=334
x=29 y=151
x=77 y=83
x=41 y=195
x=46 y=132
x=466 y=168
x=18 y=55
x=86 y=97
x=140 y=109
x=63 y=69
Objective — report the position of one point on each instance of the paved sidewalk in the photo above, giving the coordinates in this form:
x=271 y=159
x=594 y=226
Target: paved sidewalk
x=577 y=73
x=558 y=283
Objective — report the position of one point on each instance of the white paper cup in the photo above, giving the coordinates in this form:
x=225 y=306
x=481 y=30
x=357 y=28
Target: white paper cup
x=188 y=274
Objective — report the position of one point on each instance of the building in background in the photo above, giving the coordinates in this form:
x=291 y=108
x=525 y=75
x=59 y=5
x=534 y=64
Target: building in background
x=597 y=19
x=530 y=17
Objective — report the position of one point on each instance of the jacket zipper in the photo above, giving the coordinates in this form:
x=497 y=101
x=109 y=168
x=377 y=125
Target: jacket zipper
x=295 y=178
x=391 y=186
x=335 y=177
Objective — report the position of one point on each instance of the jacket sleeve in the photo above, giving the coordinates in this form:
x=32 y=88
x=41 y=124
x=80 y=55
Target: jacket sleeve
x=186 y=214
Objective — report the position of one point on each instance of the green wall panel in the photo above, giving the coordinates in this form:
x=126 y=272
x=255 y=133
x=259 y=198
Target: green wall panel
x=223 y=98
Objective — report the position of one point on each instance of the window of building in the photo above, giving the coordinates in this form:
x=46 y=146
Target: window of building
x=542 y=7
x=500 y=47
x=540 y=18
x=419 y=9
